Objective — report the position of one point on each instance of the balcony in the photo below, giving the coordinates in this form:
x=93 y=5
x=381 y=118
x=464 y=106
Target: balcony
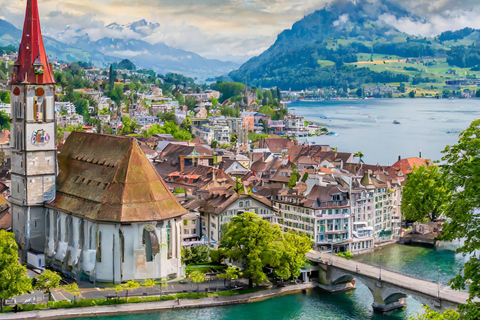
x=327 y=204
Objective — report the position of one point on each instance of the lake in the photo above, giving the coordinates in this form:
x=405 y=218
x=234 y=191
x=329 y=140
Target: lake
x=367 y=125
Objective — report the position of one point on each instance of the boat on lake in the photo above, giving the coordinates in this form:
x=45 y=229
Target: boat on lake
x=396 y=122
x=331 y=133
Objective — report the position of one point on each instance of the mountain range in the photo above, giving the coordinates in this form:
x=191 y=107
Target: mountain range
x=321 y=49
x=120 y=42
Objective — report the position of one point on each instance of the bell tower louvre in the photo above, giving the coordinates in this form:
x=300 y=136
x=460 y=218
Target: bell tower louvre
x=33 y=137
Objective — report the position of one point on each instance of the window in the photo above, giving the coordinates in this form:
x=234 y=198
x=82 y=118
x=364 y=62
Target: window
x=81 y=233
x=240 y=204
x=150 y=241
x=169 y=239
x=59 y=227
x=99 y=246
x=121 y=238
x=247 y=203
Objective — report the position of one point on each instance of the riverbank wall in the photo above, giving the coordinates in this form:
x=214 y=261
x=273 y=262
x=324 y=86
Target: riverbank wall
x=149 y=307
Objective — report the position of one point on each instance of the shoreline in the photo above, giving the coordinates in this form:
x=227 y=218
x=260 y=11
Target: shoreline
x=150 y=307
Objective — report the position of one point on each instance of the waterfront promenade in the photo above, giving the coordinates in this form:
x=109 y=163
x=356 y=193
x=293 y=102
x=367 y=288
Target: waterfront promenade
x=146 y=307
x=403 y=283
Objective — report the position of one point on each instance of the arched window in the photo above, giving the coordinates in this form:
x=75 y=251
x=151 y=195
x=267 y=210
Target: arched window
x=81 y=234
x=69 y=230
x=47 y=223
x=122 y=245
x=150 y=241
x=99 y=247
x=169 y=239
x=59 y=227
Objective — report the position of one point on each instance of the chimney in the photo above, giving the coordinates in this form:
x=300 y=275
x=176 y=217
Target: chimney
x=420 y=153
x=399 y=158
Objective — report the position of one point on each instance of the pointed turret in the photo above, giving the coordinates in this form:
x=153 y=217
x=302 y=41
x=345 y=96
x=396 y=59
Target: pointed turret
x=32 y=65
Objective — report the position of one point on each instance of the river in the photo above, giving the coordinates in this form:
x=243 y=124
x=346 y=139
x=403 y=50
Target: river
x=315 y=304
x=367 y=125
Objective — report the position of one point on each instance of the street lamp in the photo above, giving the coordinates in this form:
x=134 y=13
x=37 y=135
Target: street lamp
x=438 y=281
x=380 y=276
x=331 y=252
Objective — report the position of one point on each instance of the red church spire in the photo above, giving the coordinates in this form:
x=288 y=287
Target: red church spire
x=32 y=64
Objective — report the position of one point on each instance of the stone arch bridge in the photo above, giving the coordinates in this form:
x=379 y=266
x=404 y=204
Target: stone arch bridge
x=389 y=291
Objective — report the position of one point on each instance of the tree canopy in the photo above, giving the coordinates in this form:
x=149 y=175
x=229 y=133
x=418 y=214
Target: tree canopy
x=423 y=194
x=13 y=276
x=461 y=172
x=258 y=244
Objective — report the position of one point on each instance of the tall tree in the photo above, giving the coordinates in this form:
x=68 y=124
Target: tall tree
x=13 y=276
x=424 y=194
x=47 y=281
x=462 y=176
x=197 y=277
x=259 y=244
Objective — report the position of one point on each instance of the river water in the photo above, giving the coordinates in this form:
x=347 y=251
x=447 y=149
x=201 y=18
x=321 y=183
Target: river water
x=315 y=304
x=367 y=125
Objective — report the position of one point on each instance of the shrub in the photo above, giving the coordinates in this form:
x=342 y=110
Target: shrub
x=347 y=255
x=72 y=288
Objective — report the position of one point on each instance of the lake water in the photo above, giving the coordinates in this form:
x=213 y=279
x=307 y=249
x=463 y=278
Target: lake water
x=367 y=125
x=315 y=304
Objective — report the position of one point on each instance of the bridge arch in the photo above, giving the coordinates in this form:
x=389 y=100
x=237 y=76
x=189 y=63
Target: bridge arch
x=343 y=279
x=394 y=297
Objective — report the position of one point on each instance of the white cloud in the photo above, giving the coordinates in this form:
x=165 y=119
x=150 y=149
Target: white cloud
x=226 y=29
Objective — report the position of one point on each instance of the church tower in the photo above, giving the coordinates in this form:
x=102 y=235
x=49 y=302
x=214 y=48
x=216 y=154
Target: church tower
x=32 y=136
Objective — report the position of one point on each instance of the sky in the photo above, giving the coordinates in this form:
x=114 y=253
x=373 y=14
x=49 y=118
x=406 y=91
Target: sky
x=232 y=30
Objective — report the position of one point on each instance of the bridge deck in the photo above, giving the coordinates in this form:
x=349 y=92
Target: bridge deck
x=393 y=278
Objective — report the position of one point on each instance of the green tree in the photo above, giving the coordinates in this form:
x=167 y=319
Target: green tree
x=231 y=273
x=180 y=98
x=462 y=180
x=4 y=121
x=197 y=277
x=182 y=135
x=229 y=89
x=360 y=156
x=104 y=111
x=294 y=177
x=128 y=125
x=187 y=124
x=130 y=285
x=424 y=194
x=214 y=102
x=167 y=116
x=434 y=315
x=259 y=244
x=190 y=103
x=214 y=144
x=47 y=281
x=196 y=255
x=13 y=276
x=411 y=94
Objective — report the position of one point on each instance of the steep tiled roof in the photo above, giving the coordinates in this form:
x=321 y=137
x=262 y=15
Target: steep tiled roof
x=407 y=165
x=109 y=178
x=277 y=145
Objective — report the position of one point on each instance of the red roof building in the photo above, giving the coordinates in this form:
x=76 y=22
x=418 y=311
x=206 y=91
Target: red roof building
x=32 y=65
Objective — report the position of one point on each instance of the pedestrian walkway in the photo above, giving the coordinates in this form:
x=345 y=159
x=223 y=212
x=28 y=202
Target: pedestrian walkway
x=126 y=309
